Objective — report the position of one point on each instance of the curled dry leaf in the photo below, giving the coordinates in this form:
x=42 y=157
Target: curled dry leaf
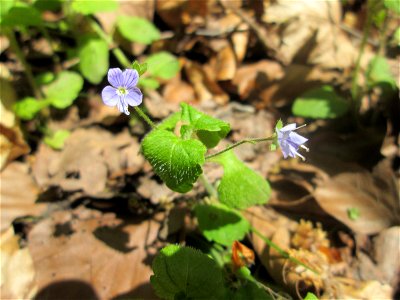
x=12 y=143
x=17 y=271
x=344 y=191
x=309 y=33
x=89 y=158
x=18 y=194
x=110 y=254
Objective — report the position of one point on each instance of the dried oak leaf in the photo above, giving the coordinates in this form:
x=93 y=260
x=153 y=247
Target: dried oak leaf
x=12 y=143
x=89 y=158
x=110 y=254
x=309 y=33
x=17 y=271
x=18 y=194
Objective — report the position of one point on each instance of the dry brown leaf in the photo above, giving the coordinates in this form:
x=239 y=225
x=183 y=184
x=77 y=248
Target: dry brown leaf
x=225 y=65
x=156 y=192
x=310 y=33
x=176 y=91
x=18 y=194
x=89 y=158
x=12 y=143
x=355 y=190
x=111 y=256
x=17 y=271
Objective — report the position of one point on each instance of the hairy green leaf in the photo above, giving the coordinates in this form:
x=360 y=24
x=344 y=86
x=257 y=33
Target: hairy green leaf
x=221 y=224
x=140 y=68
x=320 y=103
x=208 y=129
x=93 y=55
x=57 y=139
x=64 y=89
x=240 y=187
x=138 y=30
x=178 y=162
x=162 y=65
x=86 y=7
x=186 y=273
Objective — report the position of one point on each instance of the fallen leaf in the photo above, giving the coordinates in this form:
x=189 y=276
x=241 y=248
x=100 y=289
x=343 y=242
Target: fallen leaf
x=18 y=194
x=110 y=255
x=17 y=271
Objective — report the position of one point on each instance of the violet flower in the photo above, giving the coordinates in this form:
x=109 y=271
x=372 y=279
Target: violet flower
x=290 y=141
x=122 y=91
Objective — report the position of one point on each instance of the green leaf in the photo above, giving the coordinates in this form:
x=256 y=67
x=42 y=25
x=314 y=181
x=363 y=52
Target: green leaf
x=379 y=72
x=52 y=5
x=320 y=103
x=64 y=89
x=221 y=224
x=21 y=14
x=240 y=187
x=396 y=37
x=310 y=296
x=208 y=129
x=140 y=68
x=170 y=122
x=250 y=290
x=178 y=162
x=28 y=107
x=44 y=78
x=57 y=140
x=274 y=144
x=5 y=7
x=162 y=65
x=86 y=7
x=138 y=30
x=186 y=273
x=93 y=55
x=148 y=82
x=393 y=5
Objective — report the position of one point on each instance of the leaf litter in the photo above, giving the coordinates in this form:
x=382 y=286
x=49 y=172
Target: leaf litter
x=96 y=252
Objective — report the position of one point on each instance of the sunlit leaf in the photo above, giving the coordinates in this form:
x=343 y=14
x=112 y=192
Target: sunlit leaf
x=64 y=89
x=57 y=140
x=28 y=107
x=86 y=7
x=138 y=30
x=163 y=65
x=240 y=187
x=178 y=162
x=320 y=103
x=93 y=55
x=221 y=224
x=186 y=273
x=21 y=14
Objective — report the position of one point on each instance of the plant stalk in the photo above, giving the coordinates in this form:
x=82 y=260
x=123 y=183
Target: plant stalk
x=28 y=71
x=251 y=141
x=145 y=117
x=208 y=186
x=280 y=250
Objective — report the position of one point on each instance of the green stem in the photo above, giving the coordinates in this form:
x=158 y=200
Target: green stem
x=280 y=250
x=145 y=117
x=119 y=55
x=354 y=85
x=28 y=71
x=251 y=141
x=208 y=186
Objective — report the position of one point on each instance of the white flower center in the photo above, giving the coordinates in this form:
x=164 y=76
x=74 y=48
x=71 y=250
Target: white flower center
x=121 y=91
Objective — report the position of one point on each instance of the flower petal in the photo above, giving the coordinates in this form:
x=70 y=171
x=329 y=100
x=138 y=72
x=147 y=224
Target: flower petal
x=131 y=78
x=134 y=98
x=122 y=106
x=297 y=138
x=288 y=127
x=115 y=77
x=110 y=96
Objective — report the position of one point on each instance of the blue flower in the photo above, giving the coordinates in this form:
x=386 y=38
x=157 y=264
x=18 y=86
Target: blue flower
x=290 y=141
x=122 y=91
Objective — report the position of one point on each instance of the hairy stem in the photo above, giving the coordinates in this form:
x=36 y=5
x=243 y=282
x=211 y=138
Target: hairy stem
x=280 y=250
x=28 y=71
x=208 y=186
x=251 y=141
x=145 y=117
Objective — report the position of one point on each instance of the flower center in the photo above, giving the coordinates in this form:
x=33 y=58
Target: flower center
x=121 y=91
